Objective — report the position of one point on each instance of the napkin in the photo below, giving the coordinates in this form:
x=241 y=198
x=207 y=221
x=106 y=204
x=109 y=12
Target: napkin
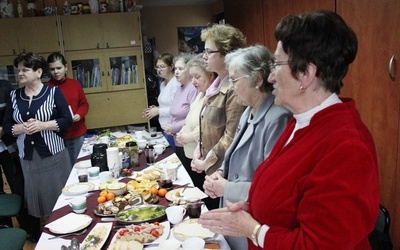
x=69 y=223
x=189 y=230
x=194 y=193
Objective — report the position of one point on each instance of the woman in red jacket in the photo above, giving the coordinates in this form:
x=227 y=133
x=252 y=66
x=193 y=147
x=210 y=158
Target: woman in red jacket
x=76 y=99
x=318 y=189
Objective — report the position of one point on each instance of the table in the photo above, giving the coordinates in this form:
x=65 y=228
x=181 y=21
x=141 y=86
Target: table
x=62 y=207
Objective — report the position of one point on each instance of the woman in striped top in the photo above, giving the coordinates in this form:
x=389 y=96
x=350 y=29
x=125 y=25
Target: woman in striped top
x=38 y=115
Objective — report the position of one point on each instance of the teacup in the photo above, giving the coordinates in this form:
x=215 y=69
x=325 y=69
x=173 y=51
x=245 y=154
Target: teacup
x=193 y=244
x=78 y=205
x=175 y=214
x=172 y=171
x=141 y=143
x=170 y=244
x=105 y=176
x=159 y=148
x=94 y=173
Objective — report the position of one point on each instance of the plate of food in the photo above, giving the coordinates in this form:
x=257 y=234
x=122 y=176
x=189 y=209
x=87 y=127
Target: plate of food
x=78 y=188
x=144 y=233
x=189 y=193
x=119 y=203
x=69 y=223
x=97 y=236
x=190 y=229
x=141 y=213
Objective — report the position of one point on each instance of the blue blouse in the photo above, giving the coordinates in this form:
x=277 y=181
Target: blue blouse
x=48 y=105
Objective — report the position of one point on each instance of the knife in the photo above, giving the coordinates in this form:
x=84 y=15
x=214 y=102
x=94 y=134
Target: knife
x=184 y=187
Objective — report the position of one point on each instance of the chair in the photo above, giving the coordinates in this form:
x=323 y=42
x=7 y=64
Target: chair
x=379 y=238
x=12 y=238
x=10 y=204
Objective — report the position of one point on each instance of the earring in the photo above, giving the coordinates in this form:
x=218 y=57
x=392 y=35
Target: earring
x=257 y=87
x=302 y=89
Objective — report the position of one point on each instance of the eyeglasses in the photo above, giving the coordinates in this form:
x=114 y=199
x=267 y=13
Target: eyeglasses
x=207 y=52
x=272 y=65
x=162 y=66
x=233 y=81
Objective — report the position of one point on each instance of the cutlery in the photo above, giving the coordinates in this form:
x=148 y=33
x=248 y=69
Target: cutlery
x=184 y=187
x=64 y=235
x=93 y=241
x=108 y=219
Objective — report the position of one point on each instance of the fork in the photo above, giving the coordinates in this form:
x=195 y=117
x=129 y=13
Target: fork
x=69 y=234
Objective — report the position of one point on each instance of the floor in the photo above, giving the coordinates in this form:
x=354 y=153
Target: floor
x=28 y=245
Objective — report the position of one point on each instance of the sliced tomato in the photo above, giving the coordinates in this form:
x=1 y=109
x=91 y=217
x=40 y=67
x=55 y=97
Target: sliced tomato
x=155 y=233
x=136 y=229
x=122 y=232
x=156 y=223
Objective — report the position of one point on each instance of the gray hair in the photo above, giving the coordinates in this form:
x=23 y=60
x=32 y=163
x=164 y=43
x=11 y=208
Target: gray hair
x=185 y=57
x=250 y=61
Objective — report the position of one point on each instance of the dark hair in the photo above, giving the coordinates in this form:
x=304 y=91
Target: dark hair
x=252 y=60
x=322 y=38
x=55 y=57
x=31 y=60
x=167 y=58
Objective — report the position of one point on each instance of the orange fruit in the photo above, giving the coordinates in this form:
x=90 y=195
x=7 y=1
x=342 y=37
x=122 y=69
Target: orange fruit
x=154 y=190
x=162 y=192
x=110 y=196
x=101 y=199
x=103 y=193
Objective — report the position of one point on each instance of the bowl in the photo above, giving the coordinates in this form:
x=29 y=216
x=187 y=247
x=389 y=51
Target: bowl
x=141 y=213
x=118 y=188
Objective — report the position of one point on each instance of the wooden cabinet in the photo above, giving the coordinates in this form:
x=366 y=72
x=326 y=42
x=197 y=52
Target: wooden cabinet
x=38 y=34
x=377 y=96
x=101 y=31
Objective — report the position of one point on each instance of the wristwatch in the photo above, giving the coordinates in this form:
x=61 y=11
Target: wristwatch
x=254 y=235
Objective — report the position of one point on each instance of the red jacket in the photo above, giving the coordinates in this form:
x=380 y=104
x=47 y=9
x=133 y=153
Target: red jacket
x=321 y=190
x=73 y=93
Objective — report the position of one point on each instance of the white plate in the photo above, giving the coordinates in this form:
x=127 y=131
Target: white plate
x=69 y=223
x=187 y=194
x=101 y=230
x=161 y=238
x=147 y=136
x=190 y=229
x=83 y=164
x=78 y=188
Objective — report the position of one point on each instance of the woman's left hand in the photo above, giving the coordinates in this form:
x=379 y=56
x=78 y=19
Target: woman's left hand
x=214 y=185
x=76 y=118
x=233 y=220
x=168 y=129
x=33 y=126
x=198 y=165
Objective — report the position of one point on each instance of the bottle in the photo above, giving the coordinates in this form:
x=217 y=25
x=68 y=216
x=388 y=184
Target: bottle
x=20 y=10
x=133 y=150
x=99 y=156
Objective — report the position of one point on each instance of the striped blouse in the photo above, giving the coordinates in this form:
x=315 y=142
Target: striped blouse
x=48 y=105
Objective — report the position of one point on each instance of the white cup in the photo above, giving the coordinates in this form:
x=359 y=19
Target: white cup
x=139 y=135
x=170 y=244
x=94 y=173
x=159 y=148
x=104 y=139
x=78 y=205
x=172 y=171
x=193 y=244
x=175 y=214
x=105 y=176
x=141 y=143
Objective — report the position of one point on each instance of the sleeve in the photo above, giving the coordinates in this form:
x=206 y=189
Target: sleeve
x=8 y=121
x=83 y=105
x=64 y=119
x=233 y=111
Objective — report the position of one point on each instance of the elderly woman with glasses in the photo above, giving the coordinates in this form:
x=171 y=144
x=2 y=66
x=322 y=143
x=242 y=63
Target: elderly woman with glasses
x=318 y=189
x=221 y=109
x=260 y=126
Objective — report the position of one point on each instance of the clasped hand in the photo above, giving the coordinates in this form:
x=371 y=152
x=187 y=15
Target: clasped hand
x=214 y=185
x=32 y=126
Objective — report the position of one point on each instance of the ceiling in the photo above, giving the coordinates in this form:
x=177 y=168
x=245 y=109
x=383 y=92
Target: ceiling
x=173 y=2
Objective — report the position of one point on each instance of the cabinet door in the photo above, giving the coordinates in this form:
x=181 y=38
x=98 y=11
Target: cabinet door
x=116 y=108
x=8 y=71
x=120 y=30
x=38 y=34
x=88 y=69
x=124 y=69
x=9 y=40
x=81 y=32
x=377 y=96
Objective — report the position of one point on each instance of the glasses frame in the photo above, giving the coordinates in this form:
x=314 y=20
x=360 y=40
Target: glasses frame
x=272 y=65
x=160 y=67
x=208 y=52
x=233 y=81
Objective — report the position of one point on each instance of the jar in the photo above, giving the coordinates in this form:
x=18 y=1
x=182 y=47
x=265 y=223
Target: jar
x=133 y=151
x=99 y=156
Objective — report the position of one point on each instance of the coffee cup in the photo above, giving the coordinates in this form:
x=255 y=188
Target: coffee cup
x=94 y=173
x=194 y=207
x=141 y=143
x=175 y=214
x=193 y=244
x=169 y=244
x=82 y=175
x=139 y=135
x=105 y=176
x=78 y=205
x=159 y=148
x=172 y=171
